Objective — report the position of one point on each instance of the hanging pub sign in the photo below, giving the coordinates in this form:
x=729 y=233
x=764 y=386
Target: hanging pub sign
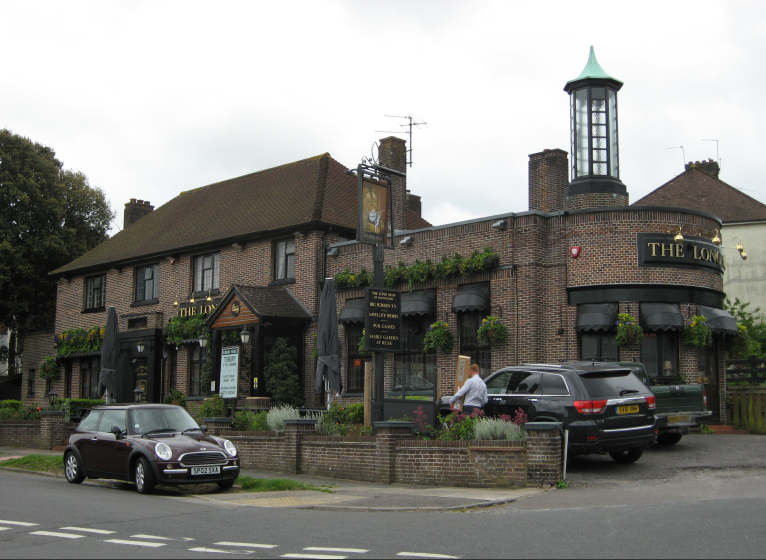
x=374 y=212
x=661 y=250
x=383 y=319
x=229 y=372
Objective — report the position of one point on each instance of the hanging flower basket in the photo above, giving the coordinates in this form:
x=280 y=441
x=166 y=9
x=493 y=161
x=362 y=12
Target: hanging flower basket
x=739 y=345
x=438 y=337
x=49 y=368
x=628 y=329
x=697 y=333
x=492 y=331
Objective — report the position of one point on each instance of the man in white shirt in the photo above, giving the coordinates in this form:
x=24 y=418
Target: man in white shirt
x=475 y=391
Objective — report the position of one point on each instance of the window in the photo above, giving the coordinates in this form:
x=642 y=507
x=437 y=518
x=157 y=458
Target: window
x=94 y=292
x=413 y=368
x=554 y=385
x=284 y=259
x=518 y=382
x=197 y=359
x=31 y=382
x=480 y=353
x=206 y=272
x=600 y=346
x=89 y=368
x=659 y=354
x=112 y=418
x=355 y=359
x=90 y=422
x=707 y=364
x=147 y=282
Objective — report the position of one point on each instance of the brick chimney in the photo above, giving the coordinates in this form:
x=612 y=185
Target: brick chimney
x=710 y=167
x=135 y=210
x=548 y=180
x=392 y=154
x=413 y=203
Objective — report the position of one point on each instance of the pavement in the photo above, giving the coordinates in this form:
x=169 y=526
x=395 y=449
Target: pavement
x=343 y=495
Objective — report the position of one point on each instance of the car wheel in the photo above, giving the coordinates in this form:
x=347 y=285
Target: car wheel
x=226 y=484
x=72 y=469
x=668 y=439
x=627 y=455
x=144 y=477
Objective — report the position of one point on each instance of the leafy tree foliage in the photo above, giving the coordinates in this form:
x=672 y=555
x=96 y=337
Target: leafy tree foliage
x=281 y=373
x=49 y=216
x=755 y=324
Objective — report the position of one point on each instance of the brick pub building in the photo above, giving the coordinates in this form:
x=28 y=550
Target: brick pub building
x=263 y=243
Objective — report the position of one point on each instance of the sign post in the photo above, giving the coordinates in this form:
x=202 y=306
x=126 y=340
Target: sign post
x=229 y=373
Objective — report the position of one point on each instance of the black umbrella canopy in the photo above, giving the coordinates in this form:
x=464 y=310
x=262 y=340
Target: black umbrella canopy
x=110 y=350
x=328 y=364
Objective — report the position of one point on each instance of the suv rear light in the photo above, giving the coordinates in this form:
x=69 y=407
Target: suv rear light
x=590 y=407
x=651 y=402
x=704 y=397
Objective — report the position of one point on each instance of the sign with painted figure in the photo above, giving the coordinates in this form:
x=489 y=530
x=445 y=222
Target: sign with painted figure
x=374 y=212
x=229 y=372
x=383 y=320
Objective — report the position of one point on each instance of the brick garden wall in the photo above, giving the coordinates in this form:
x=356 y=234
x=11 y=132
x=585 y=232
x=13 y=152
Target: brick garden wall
x=21 y=433
x=351 y=458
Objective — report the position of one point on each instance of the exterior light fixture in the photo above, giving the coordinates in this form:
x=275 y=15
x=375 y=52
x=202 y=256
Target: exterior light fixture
x=165 y=352
x=209 y=297
x=407 y=241
x=716 y=239
x=52 y=396
x=499 y=225
x=236 y=245
x=203 y=340
x=739 y=247
x=244 y=335
x=140 y=347
x=679 y=237
x=175 y=303
x=334 y=252
x=299 y=234
x=138 y=394
x=191 y=298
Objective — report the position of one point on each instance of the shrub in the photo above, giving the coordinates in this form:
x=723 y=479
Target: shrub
x=277 y=416
x=49 y=368
x=459 y=426
x=12 y=404
x=180 y=328
x=76 y=404
x=213 y=407
x=249 y=421
x=281 y=373
x=175 y=396
x=495 y=428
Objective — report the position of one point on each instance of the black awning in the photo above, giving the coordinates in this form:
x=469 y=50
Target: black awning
x=661 y=317
x=419 y=303
x=352 y=312
x=719 y=321
x=473 y=297
x=596 y=316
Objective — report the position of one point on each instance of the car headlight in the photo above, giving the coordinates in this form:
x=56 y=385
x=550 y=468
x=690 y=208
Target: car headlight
x=163 y=451
x=229 y=447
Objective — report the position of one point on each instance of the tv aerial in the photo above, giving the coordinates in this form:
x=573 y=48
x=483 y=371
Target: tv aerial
x=410 y=123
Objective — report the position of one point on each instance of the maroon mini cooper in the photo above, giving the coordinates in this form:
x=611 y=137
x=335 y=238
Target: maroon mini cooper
x=148 y=444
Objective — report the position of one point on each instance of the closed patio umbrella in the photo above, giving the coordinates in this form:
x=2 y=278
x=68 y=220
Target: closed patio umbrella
x=110 y=350
x=328 y=364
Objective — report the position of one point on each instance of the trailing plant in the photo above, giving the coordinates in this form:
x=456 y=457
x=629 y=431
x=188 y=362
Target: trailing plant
x=396 y=274
x=628 y=329
x=281 y=372
x=478 y=262
x=491 y=330
x=419 y=272
x=175 y=396
x=212 y=407
x=49 y=368
x=439 y=337
x=277 y=416
x=249 y=421
x=348 y=279
x=190 y=327
x=496 y=428
x=79 y=340
x=448 y=266
x=697 y=332
x=741 y=346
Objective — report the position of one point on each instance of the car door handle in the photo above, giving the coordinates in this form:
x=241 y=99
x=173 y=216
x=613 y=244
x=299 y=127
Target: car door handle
x=498 y=400
x=94 y=439
x=533 y=400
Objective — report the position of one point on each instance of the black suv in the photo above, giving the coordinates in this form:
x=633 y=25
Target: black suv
x=605 y=407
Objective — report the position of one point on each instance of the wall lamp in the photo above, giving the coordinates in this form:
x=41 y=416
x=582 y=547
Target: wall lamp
x=209 y=297
x=176 y=303
x=739 y=247
x=407 y=241
x=191 y=298
x=334 y=252
x=237 y=245
x=171 y=259
x=244 y=335
x=203 y=339
x=140 y=347
x=499 y=225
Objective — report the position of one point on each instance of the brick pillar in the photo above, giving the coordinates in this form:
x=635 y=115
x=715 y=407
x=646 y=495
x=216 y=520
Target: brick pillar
x=388 y=433
x=52 y=428
x=544 y=453
x=393 y=155
x=295 y=430
x=548 y=180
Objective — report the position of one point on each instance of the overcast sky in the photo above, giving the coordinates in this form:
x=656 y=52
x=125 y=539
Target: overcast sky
x=152 y=98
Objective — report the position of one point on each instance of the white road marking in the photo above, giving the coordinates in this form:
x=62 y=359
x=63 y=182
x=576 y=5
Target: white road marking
x=136 y=543
x=5 y=529
x=202 y=549
x=349 y=550
x=245 y=544
x=424 y=555
x=314 y=556
x=53 y=534
x=86 y=530
x=155 y=537
x=23 y=524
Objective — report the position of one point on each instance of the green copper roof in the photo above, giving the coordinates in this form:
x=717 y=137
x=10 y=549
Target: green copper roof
x=592 y=70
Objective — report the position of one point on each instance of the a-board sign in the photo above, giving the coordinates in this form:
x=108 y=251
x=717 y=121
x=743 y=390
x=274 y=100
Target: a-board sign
x=229 y=372
x=382 y=323
x=462 y=374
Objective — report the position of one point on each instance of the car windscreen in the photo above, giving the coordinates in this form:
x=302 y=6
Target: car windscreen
x=612 y=384
x=157 y=420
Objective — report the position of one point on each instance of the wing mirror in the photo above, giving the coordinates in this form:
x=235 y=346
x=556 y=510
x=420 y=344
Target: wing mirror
x=203 y=428
x=117 y=432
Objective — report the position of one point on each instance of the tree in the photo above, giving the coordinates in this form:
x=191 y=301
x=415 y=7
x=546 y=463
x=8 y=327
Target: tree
x=48 y=217
x=755 y=338
x=281 y=373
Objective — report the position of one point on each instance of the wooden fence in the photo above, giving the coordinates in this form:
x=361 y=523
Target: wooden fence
x=741 y=372
x=747 y=409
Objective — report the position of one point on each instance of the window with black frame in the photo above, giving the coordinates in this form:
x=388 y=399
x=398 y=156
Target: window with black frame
x=197 y=359
x=147 y=282
x=284 y=259
x=355 y=358
x=414 y=369
x=479 y=351
x=601 y=346
x=207 y=272
x=31 y=382
x=659 y=354
x=89 y=369
x=94 y=292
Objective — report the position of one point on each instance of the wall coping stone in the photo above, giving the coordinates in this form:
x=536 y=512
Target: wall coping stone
x=544 y=426
x=219 y=420
x=55 y=413
x=394 y=424
x=301 y=422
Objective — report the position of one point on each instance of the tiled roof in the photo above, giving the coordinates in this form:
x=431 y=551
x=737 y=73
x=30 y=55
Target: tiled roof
x=308 y=191
x=274 y=301
x=696 y=190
